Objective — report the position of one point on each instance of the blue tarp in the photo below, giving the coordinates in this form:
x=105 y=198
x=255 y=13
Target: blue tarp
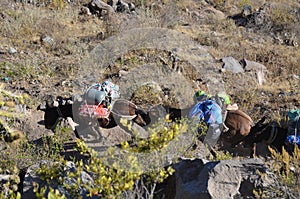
x=207 y=110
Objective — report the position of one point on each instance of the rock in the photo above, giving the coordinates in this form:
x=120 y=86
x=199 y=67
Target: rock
x=8 y=182
x=101 y=5
x=231 y=64
x=97 y=137
x=247 y=10
x=122 y=73
x=214 y=12
x=47 y=40
x=2 y=145
x=12 y=50
x=139 y=132
x=198 y=178
x=85 y=10
x=122 y=6
x=113 y=3
x=252 y=65
x=31 y=177
x=200 y=66
x=131 y=7
x=258 y=68
x=174 y=81
x=5 y=17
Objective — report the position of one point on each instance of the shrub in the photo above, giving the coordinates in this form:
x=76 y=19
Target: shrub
x=120 y=171
x=286 y=168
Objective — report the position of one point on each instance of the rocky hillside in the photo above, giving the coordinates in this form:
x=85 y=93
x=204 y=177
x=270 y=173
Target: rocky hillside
x=158 y=52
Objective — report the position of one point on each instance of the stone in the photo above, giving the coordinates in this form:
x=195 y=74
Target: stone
x=232 y=65
x=12 y=50
x=199 y=178
x=31 y=177
x=258 y=68
x=47 y=40
x=98 y=4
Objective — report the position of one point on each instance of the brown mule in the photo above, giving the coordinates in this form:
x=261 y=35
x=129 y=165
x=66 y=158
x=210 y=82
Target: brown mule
x=122 y=108
x=239 y=125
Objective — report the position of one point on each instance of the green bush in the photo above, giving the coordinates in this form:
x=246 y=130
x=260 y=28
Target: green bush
x=119 y=171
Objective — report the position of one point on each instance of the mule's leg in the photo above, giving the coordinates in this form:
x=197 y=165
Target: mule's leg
x=139 y=120
x=236 y=139
x=253 y=151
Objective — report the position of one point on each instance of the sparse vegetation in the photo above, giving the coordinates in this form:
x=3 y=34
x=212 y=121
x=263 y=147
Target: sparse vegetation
x=286 y=168
x=113 y=177
x=32 y=66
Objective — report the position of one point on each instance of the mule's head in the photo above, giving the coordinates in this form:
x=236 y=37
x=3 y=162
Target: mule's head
x=55 y=108
x=262 y=131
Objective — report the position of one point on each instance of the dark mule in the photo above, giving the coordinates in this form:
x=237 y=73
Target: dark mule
x=160 y=111
x=55 y=109
x=270 y=133
x=58 y=108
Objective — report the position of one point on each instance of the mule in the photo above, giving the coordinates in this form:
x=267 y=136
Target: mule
x=270 y=134
x=122 y=108
x=239 y=124
x=54 y=109
x=58 y=108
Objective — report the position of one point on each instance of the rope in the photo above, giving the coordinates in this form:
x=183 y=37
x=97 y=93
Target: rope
x=224 y=125
x=296 y=128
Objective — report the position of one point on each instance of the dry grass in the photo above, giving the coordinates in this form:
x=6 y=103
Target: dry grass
x=74 y=35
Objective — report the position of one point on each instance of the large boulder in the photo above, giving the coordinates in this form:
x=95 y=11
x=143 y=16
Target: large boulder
x=199 y=178
x=258 y=68
x=232 y=65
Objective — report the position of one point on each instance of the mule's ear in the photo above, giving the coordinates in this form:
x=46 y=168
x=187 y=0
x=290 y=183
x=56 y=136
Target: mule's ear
x=261 y=121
